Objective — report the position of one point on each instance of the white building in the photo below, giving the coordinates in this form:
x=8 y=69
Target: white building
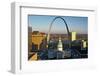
x=84 y=44
x=73 y=36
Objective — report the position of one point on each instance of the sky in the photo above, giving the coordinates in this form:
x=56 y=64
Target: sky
x=42 y=23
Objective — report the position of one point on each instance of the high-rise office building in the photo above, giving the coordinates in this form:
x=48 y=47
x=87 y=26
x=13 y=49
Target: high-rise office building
x=84 y=44
x=29 y=38
x=37 y=39
x=73 y=36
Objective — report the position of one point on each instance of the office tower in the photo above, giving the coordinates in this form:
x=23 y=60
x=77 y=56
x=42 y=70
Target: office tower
x=29 y=38
x=83 y=44
x=37 y=39
x=73 y=36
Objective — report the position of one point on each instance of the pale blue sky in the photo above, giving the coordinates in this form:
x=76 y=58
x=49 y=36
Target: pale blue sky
x=42 y=23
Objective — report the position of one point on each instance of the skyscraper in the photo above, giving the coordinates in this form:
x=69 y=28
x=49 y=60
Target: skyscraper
x=84 y=44
x=73 y=36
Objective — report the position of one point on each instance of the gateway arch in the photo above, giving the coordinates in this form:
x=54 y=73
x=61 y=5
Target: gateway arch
x=66 y=26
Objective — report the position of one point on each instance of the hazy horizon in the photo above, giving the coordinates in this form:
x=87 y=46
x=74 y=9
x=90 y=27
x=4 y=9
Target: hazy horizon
x=42 y=23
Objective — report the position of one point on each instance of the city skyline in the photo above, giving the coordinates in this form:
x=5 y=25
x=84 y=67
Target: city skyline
x=48 y=39
x=42 y=23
